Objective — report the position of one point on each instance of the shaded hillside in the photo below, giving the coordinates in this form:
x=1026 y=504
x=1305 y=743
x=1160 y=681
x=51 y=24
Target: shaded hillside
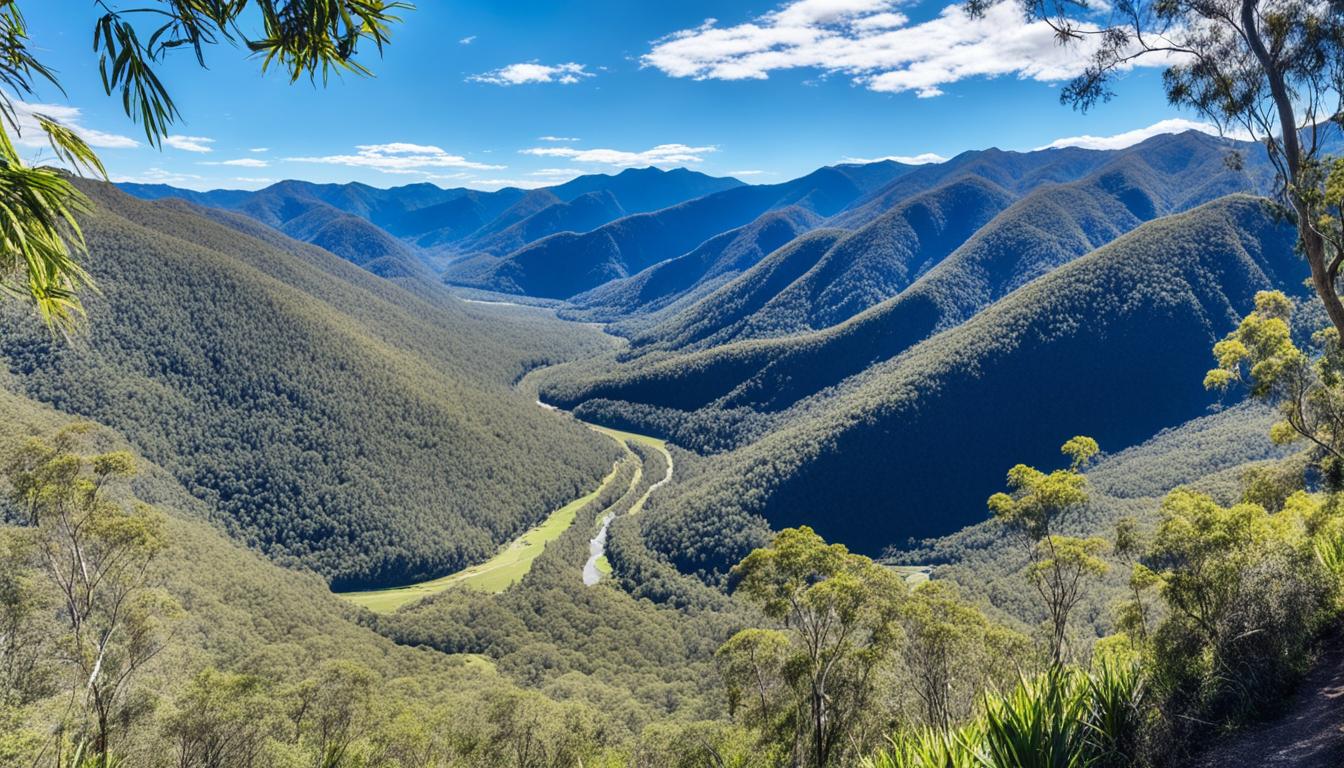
x=1116 y=342
x=1016 y=172
x=445 y=223
x=355 y=240
x=332 y=419
x=566 y=264
x=585 y=212
x=1046 y=229
x=857 y=271
x=1021 y=172
x=1209 y=453
x=640 y=190
x=696 y=273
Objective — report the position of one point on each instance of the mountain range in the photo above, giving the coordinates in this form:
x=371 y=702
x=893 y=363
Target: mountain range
x=825 y=344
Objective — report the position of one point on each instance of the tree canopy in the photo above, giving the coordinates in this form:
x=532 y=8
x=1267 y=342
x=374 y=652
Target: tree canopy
x=40 y=237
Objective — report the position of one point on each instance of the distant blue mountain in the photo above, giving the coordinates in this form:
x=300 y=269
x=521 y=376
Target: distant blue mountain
x=566 y=264
x=438 y=224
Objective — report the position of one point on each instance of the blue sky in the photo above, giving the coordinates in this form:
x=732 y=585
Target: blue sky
x=766 y=91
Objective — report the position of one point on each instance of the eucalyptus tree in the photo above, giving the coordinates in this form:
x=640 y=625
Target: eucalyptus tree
x=40 y=238
x=1273 y=69
x=815 y=677
x=1035 y=507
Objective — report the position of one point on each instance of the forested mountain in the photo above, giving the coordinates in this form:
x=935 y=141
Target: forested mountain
x=696 y=273
x=1043 y=230
x=566 y=264
x=913 y=446
x=434 y=222
x=587 y=211
x=856 y=271
x=332 y=419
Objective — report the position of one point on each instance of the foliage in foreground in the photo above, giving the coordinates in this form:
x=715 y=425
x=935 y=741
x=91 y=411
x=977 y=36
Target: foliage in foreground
x=1060 y=718
x=40 y=239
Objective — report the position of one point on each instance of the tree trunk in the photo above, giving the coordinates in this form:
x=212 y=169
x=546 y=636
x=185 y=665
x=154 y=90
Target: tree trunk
x=1313 y=245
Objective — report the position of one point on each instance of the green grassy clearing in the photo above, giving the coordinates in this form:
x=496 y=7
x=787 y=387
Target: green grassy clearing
x=495 y=574
x=914 y=575
x=514 y=560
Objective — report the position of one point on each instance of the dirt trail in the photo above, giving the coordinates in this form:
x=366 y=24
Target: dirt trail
x=1309 y=733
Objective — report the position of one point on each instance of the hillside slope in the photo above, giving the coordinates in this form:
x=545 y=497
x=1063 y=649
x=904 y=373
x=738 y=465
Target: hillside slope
x=856 y=271
x=436 y=222
x=333 y=419
x=583 y=213
x=566 y=264
x=1117 y=342
x=683 y=279
x=1047 y=228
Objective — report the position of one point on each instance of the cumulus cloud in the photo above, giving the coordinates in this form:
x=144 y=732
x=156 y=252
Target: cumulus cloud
x=926 y=158
x=663 y=154
x=468 y=40
x=398 y=158
x=190 y=143
x=872 y=43
x=532 y=72
x=32 y=137
x=1130 y=138
x=259 y=150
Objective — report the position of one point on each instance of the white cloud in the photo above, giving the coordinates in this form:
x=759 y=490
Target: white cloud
x=190 y=143
x=398 y=158
x=557 y=173
x=242 y=162
x=259 y=150
x=468 y=40
x=532 y=72
x=1130 y=138
x=925 y=158
x=490 y=185
x=745 y=173
x=558 y=138
x=877 y=47
x=32 y=137
x=663 y=154
x=161 y=176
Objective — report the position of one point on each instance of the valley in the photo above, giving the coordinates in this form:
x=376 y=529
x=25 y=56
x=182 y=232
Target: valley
x=515 y=558
x=804 y=384
x=563 y=455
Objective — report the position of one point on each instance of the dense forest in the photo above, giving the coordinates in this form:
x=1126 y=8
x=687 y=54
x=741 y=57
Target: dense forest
x=1166 y=292
x=835 y=562
x=1010 y=459
x=334 y=420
